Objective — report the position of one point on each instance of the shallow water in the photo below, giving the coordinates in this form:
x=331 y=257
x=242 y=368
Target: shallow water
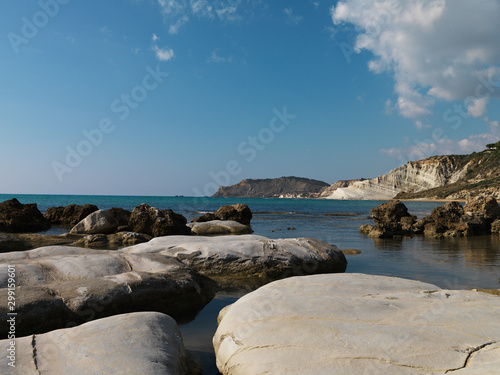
x=453 y=263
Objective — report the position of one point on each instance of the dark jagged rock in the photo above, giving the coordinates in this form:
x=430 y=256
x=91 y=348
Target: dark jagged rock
x=156 y=223
x=448 y=215
x=391 y=219
x=237 y=212
x=18 y=218
x=121 y=215
x=209 y=216
x=495 y=227
x=486 y=206
x=69 y=215
x=389 y=212
x=478 y=217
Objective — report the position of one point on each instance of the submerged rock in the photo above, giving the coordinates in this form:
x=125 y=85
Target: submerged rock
x=61 y=286
x=139 y=343
x=8 y=242
x=16 y=217
x=219 y=227
x=358 y=324
x=112 y=241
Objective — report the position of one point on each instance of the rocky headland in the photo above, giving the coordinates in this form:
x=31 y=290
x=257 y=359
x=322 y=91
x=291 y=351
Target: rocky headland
x=283 y=187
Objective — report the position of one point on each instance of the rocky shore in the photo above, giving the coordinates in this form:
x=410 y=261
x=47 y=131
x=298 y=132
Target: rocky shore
x=107 y=296
x=118 y=273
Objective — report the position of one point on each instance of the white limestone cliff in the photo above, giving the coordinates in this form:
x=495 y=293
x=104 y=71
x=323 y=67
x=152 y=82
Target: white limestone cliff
x=414 y=176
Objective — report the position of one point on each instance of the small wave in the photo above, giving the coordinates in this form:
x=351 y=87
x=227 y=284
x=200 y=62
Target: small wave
x=340 y=214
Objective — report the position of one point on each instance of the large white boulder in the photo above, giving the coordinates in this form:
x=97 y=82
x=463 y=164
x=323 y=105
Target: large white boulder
x=61 y=286
x=359 y=324
x=247 y=255
x=138 y=343
x=97 y=222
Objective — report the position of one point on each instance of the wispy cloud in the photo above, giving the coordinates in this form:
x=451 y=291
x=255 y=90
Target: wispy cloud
x=292 y=18
x=162 y=54
x=444 y=146
x=216 y=58
x=174 y=27
x=178 y=12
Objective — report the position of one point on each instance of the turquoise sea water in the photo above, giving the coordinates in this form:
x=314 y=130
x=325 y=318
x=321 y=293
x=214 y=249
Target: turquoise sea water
x=449 y=263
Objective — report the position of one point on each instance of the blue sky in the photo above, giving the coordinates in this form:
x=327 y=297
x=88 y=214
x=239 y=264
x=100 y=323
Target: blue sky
x=175 y=97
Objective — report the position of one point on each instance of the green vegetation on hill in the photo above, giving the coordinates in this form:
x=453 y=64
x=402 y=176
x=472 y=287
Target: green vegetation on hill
x=483 y=176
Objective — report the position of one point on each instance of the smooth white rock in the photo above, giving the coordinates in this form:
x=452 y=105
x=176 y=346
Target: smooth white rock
x=247 y=254
x=358 y=324
x=138 y=343
x=97 y=222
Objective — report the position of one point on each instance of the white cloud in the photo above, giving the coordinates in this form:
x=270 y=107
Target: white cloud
x=177 y=13
x=163 y=54
x=215 y=58
x=174 y=27
x=154 y=38
x=442 y=145
x=291 y=17
x=435 y=49
x=477 y=106
x=202 y=8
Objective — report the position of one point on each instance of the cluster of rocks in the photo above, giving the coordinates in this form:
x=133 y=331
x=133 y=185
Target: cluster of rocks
x=479 y=216
x=110 y=229
x=64 y=286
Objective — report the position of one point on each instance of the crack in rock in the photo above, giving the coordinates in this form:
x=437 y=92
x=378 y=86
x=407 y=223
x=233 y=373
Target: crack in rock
x=472 y=352
x=35 y=362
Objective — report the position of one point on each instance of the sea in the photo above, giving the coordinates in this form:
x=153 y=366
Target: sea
x=451 y=263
